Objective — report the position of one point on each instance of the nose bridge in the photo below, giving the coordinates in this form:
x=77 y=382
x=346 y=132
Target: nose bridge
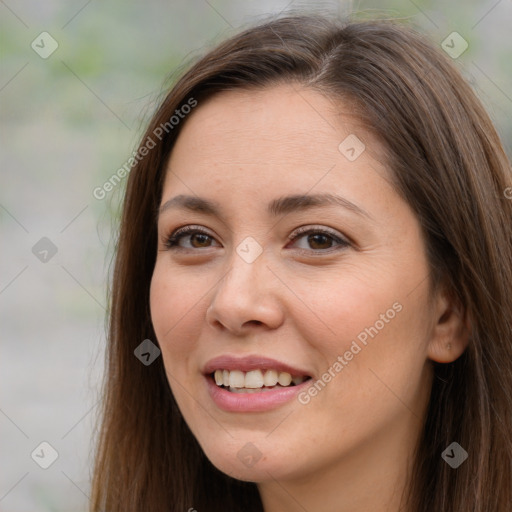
x=244 y=294
x=246 y=275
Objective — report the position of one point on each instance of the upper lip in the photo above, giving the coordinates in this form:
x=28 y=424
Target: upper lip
x=248 y=363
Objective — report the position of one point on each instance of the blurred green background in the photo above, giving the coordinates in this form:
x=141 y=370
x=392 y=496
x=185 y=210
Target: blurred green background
x=68 y=122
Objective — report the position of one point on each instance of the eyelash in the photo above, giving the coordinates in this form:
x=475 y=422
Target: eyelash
x=171 y=242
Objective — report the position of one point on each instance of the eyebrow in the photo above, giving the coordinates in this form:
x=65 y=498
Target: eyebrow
x=280 y=206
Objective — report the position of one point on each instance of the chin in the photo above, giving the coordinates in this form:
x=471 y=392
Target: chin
x=245 y=461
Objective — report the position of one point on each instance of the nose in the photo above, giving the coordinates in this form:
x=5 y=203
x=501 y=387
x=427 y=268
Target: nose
x=246 y=298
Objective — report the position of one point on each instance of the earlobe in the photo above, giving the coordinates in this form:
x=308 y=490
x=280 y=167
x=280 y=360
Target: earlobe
x=450 y=336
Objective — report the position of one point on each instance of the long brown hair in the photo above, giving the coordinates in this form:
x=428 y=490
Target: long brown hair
x=448 y=164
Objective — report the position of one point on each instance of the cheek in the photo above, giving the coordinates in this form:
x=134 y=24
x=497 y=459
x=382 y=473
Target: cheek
x=378 y=329
x=176 y=310
x=348 y=307
x=175 y=304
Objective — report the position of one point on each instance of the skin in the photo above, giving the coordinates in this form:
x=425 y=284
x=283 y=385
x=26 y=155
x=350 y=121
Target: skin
x=301 y=302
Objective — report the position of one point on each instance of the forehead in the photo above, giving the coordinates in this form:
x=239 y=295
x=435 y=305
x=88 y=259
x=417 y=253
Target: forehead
x=282 y=139
x=253 y=125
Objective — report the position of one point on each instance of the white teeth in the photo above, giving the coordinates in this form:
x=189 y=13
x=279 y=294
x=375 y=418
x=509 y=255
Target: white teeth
x=219 y=380
x=236 y=379
x=270 y=378
x=253 y=379
x=284 y=379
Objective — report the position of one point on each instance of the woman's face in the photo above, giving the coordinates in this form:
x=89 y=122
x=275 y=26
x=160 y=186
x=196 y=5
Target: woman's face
x=282 y=281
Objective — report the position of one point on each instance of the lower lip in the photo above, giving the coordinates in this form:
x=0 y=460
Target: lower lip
x=252 y=402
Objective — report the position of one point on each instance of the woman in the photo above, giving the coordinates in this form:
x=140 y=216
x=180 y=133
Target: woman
x=317 y=238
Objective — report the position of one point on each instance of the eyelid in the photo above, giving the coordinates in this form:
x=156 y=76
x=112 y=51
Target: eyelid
x=302 y=230
x=341 y=241
x=183 y=231
x=188 y=228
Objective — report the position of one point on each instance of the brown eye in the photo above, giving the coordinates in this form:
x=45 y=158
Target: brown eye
x=197 y=239
x=200 y=238
x=319 y=240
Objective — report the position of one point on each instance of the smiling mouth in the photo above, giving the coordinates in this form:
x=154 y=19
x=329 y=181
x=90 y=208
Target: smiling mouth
x=255 y=381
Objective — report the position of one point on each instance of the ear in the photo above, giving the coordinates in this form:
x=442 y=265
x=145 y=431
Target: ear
x=452 y=328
